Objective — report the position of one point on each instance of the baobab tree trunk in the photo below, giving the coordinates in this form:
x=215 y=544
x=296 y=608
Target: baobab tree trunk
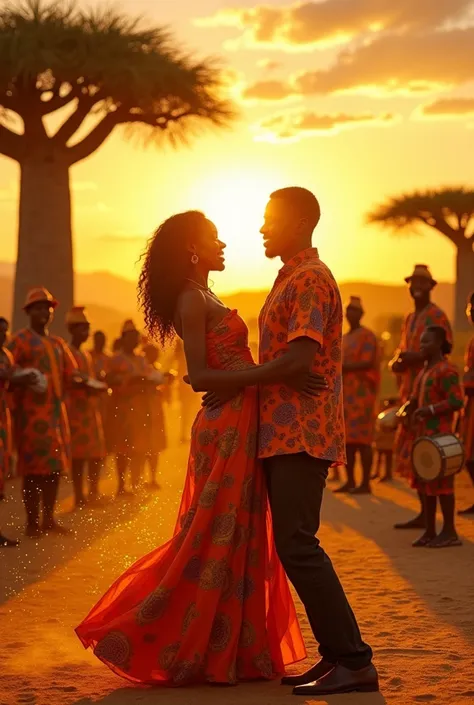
x=45 y=256
x=464 y=284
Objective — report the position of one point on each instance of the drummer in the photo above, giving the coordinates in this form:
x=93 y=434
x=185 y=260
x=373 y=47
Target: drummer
x=408 y=361
x=437 y=396
x=468 y=417
x=87 y=434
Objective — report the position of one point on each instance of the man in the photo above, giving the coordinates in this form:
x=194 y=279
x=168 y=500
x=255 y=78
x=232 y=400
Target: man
x=301 y=437
x=87 y=434
x=361 y=379
x=468 y=417
x=128 y=378
x=100 y=358
x=408 y=362
x=6 y=369
x=40 y=417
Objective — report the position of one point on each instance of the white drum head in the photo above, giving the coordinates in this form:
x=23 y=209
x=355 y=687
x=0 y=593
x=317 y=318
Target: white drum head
x=427 y=460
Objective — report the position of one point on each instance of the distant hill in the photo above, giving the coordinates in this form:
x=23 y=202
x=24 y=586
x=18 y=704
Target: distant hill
x=110 y=299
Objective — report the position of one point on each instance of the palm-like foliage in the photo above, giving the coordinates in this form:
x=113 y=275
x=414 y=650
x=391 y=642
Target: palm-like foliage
x=450 y=211
x=105 y=65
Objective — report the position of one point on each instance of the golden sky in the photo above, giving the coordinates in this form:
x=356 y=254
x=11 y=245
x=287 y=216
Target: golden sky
x=354 y=99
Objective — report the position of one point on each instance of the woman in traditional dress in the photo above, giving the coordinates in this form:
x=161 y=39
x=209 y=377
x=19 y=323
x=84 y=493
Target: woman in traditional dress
x=213 y=603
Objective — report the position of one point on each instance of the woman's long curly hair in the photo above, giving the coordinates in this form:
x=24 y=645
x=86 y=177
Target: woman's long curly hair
x=166 y=263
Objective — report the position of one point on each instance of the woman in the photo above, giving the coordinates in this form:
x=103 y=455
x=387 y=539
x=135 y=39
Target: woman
x=437 y=396
x=212 y=604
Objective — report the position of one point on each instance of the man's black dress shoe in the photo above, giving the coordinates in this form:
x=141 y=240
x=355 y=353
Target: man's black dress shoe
x=317 y=671
x=342 y=680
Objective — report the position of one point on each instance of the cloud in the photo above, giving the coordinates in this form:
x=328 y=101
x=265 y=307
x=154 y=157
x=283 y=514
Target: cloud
x=449 y=107
x=268 y=90
x=394 y=63
x=310 y=23
x=295 y=125
x=268 y=64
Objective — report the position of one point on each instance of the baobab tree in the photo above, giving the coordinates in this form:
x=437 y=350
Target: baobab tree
x=450 y=212
x=97 y=70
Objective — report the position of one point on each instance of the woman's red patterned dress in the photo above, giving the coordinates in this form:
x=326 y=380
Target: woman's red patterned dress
x=213 y=603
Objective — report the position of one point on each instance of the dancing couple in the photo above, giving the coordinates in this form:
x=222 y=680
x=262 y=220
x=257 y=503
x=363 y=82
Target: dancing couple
x=213 y=603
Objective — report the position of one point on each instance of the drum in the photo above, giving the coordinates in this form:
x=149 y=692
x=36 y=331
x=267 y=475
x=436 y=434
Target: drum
x=387 y=420
x=439 y=456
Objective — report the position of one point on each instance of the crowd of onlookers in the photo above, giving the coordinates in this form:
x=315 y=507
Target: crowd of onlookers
x=66 y=405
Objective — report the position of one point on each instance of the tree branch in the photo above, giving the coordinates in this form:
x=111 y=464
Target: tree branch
x=94 y=139
x=57 y=102
x=11 y=144
x=74 y=121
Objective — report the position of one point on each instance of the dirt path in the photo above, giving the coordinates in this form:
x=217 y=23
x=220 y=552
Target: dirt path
x=416 y=608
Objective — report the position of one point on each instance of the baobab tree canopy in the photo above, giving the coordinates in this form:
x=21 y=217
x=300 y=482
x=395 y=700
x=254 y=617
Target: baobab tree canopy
x=450 y=211
x=101 y=69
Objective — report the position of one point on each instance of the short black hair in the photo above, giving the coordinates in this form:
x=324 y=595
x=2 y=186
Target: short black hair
x=302 y=201
x=440 y=333
x=4 y=320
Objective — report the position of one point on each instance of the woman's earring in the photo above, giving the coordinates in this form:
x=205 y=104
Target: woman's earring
x=194 y=259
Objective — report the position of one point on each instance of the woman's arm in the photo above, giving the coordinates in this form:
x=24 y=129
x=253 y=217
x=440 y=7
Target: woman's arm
x=292 y=367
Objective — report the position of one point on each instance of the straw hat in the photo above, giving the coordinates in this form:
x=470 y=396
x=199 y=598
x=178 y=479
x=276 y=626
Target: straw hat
x=355 y=302
x=76 y=315
x=422 y=271
x=39 y=294
x=129 y=327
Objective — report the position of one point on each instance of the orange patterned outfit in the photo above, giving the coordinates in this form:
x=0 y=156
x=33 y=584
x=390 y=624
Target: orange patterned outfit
x=304 y=302
x=212 y=604
x=412 y=330
x=438 y=385
x=360 y=386
x=40 y=420
x=131 y=422
x=6 y=361
x=468 y=417
x=101 y=362
x=87 y=434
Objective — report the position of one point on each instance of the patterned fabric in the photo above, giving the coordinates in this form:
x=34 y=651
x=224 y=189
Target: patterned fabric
x=101 y=363
x=410 y=340
x=360 y=386
x=468 y=416
x=437 y=385
x=130 y=424
x=40 y=420
x=6 y=362
x=87 y=434
x=212 y=604
x=304 y=302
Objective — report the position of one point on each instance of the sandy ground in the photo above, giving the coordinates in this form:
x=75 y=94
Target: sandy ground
x=415 y=607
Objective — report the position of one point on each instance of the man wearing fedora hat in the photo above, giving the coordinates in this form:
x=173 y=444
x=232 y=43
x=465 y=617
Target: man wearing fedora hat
x=40 y=418
x=408 y=362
